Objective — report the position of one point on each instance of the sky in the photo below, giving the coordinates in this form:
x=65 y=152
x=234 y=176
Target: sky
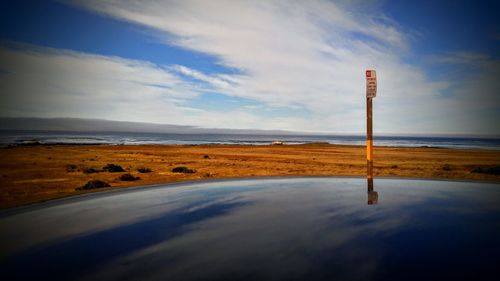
x=276 y=65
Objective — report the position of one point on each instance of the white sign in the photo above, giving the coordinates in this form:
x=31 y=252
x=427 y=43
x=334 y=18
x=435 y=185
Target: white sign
x=371 y=84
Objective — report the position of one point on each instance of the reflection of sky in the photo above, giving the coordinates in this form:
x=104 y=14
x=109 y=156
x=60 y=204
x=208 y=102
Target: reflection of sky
x=261 y=229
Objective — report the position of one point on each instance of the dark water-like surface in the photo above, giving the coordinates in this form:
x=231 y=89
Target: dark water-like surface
x=268 y=229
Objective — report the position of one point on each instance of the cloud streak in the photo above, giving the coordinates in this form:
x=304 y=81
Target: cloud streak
x=303 y=56
x=46 y=82
x=53 y=82
x=308 y=55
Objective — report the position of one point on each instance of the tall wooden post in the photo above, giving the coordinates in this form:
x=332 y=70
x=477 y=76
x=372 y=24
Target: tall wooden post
x=369 y=141
x=371 y=92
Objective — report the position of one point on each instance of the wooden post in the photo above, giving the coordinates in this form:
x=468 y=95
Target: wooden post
x=369 y=140
x=371 y=92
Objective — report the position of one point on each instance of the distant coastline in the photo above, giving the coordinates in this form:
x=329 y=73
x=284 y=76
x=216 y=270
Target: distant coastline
x=50 y=137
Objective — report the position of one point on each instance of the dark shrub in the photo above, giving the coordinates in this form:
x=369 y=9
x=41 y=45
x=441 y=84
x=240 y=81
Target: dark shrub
x=112 y=168
x=206 y=157
x=144 y=170
x=90 y=170
x=447 y=167
x=184 y=170
x=128 y=177
x=477 y=170
x=492 y=170
x=71 y=168
x=394 y=166
x=93 y=184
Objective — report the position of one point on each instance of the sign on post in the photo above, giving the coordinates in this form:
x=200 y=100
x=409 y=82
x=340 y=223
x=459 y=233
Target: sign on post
x=371 y=83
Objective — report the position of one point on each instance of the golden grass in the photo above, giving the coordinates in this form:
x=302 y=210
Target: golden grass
x=37 y=173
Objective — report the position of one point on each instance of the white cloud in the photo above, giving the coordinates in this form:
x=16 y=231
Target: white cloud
x=290 y=53
x=304 y=54
x=461 y=58
x=44 y=82
x=219 y=82
x=308 y=55
x=53 y=83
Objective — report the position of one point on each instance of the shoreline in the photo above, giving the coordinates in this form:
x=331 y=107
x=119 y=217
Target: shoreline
x=41 y=172
x=14 y=145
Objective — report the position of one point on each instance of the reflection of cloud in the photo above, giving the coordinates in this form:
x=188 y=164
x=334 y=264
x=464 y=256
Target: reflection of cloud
x=278 y=229
x=290 y=228
x=88 y=251
x=150 y=204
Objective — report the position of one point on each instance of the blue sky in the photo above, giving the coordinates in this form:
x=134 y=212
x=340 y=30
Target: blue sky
x=293 y=65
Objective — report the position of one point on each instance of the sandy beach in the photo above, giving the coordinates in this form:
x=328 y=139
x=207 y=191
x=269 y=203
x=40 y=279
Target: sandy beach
x=31 y=174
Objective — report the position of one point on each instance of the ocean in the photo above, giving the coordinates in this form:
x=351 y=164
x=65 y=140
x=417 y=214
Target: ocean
x=9 y=138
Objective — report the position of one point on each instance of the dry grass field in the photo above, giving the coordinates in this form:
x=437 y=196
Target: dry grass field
x=36 y=173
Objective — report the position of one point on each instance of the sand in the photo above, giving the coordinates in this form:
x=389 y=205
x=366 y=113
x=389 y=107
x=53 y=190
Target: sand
x=31 y=174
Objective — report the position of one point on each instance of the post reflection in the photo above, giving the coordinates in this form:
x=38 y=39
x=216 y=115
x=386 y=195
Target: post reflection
x=372 y=194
